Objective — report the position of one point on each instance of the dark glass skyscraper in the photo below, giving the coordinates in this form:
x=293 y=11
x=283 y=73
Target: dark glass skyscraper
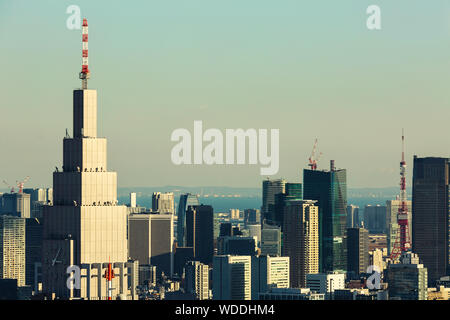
x=431 y=214
x=293 y=191
x=186 y=200
x=200 y=232
x=329 y=188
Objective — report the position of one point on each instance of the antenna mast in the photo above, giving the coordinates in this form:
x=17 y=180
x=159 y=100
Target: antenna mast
x=85 y=74
x=402 y=243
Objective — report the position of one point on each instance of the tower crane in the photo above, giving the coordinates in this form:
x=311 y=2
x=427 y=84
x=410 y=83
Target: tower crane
x=313 y=159
x=20 y=184
x=9 y=186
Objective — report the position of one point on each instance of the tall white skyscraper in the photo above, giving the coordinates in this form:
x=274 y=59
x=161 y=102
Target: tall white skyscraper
x=133 y=199
x=197 y=279
x=85 y=227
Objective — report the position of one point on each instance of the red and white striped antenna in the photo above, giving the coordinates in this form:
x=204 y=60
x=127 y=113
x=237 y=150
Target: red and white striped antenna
x=85 y=74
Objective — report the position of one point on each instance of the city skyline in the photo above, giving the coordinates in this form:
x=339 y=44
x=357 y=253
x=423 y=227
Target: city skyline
x=272 y=75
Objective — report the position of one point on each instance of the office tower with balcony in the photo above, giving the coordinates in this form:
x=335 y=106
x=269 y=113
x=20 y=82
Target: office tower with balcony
x=329 y=188
x=431 y=215
x=301 y=240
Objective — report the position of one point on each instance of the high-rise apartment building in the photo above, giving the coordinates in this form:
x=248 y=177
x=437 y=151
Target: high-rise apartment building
x=163 y=202
x=270 y=188
x=269 y=272
x=186 y=200
x=301 y=240
x=197 y=280
x=200 y=232
x=12 y=248
x=357 y=250
x=329 y=188
x=150 y=241
x=431 y=215
x=232 y=278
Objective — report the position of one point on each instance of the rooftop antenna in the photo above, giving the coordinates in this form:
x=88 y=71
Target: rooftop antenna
x=85 y=74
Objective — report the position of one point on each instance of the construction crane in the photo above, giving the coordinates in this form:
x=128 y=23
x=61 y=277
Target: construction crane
x=8 y=185
x=85 y=74
x=402 y=241
x=20 y=184
x=312 y=158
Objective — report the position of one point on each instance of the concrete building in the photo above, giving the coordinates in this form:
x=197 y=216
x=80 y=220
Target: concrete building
x=17 y=204
x=301 y=240
x=163 y=202
x=357 y=250
x=197 y=280
x=234 y=214
x=407 y=280
x=375 y=219
x=269 y=272
x=431 y=215
x=12 y=248
x=200 y=232
x=271 y=240
x=326 y=283
x=85 y=227
x=150 y=241
x=232 y=278
x=270 y=188
x=392 y=227
x=186 y=200
x=329 y=188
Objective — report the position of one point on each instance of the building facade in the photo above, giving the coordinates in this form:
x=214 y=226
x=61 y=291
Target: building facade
x=186 y=200
x=431 y=215
x=301 y=240
x=329 y=188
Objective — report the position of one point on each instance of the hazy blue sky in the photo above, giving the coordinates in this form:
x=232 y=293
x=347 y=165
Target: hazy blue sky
x=308 y=68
